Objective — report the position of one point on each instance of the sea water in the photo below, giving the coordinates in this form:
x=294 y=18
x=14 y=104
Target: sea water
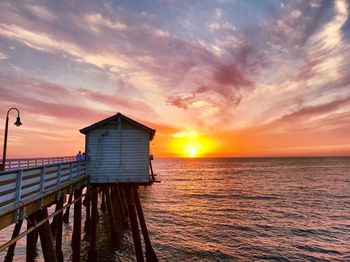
x=237 y=209
x=247 y=209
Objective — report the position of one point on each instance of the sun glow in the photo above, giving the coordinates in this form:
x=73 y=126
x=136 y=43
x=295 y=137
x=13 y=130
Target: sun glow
x=191 y=144
x=192 y=149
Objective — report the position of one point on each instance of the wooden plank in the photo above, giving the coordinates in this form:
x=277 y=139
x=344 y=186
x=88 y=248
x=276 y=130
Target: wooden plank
x=8 y=196
x=30 y=190
x=7 y=177
x=31 y=182
x=50 y=176
x=30 y=194
x=5 y=206
x=49 y=184
x=31 y=172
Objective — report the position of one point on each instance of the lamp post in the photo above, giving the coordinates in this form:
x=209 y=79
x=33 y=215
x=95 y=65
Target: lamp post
x=17 y=123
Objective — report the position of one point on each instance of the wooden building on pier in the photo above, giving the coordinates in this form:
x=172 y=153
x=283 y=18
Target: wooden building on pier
x=118 y=151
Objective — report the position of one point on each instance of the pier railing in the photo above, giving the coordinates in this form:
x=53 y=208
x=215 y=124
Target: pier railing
x=17 y=163
x=31 y=186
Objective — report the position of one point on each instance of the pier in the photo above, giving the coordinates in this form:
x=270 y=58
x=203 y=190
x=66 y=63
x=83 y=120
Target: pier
x=28 y=188
x=117 y=161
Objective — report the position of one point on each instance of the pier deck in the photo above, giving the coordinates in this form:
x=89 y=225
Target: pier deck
x=23 y=191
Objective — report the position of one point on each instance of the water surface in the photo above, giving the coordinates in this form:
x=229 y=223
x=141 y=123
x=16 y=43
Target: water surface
x=243 y=209
x=240 y=209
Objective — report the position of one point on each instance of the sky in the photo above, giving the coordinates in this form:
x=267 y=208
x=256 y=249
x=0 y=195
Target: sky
x=218 y=78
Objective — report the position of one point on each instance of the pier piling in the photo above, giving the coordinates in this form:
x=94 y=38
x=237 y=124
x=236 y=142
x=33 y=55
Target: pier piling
x=10 y=251
x=121 y=203
x=113 y=232
x=59 y=224
x=66 y=214
x=86 y=202
x=53 y=224
x=134 y=224
x=31 y=239
x=103 y=200
x=76 y=238
x=92 y=256
x=46 y=238
x=150 y=254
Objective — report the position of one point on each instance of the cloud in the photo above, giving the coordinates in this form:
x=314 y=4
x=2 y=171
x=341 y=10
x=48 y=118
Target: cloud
x=41 y=12
x=3 y=56
x=231 y=76
x=305 y=113
x=56 y=101
x=97 y=20
x=48 y=43
x=181 y=101
x=114 y=100
x=286 y=66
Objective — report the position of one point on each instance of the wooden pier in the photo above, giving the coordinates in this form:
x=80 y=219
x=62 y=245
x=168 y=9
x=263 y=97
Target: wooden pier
x=26 y=192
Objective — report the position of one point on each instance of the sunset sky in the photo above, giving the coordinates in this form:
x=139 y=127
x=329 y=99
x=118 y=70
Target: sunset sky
x=219 y=78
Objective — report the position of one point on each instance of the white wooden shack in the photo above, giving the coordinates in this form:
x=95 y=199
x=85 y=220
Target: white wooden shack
x=118 y=150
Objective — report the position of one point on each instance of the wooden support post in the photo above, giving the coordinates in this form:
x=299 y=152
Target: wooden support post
x=103 y=201
x=134 y=224
x=117 y=209
x=150 y=254
x=46 y=239
x=76 y=239
x=113 y=233
x=66 y=214
x=121 y=202
x=53 y=224
x=87 y=205
x=31 y=240
x=59 y=224
x=11 y=249
x=116 y=192
x=151 y=169
x=92 y=256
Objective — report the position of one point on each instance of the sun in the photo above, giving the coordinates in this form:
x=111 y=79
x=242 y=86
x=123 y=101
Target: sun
x=191 y=144
x=192 y=149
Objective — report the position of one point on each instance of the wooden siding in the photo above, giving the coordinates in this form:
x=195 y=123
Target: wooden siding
x=118 y=155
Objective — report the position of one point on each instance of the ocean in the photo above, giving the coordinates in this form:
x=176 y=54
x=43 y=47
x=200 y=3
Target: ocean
x=248 y=209
x=239 y=209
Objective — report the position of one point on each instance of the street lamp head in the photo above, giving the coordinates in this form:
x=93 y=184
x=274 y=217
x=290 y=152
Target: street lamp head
x=18 y=122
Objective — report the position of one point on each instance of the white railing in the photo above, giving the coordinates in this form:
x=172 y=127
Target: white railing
x=25 y=185
x=18 y=163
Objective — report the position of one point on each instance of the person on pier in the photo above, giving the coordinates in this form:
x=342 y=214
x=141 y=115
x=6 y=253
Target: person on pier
x=79 y=156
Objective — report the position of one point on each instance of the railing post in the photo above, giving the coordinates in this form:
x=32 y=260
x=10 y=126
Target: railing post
x=42 y=179
x=42 y=183
x=59 y=176
x=18 y=193
x=79 y=168
x=70 y=171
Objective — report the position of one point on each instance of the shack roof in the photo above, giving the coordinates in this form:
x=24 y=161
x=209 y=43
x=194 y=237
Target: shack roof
x=122 y=117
